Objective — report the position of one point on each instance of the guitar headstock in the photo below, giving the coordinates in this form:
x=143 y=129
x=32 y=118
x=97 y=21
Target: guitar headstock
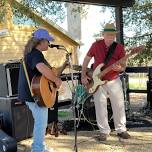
x=67 y=56
x=137 y=49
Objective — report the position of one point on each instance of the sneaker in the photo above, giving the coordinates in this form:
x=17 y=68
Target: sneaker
x=102 y=137
x=124 y=135
x=52 y=129
x=48 y=150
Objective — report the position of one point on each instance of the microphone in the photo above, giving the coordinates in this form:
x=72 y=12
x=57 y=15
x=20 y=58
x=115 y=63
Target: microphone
x=55 y=45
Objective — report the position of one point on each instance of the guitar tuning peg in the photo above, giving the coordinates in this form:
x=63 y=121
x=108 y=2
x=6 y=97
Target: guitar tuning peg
x=69 y=54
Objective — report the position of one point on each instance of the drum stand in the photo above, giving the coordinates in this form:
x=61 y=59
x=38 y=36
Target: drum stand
x=73 y=99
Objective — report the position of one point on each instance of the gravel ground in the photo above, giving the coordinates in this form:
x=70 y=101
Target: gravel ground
x=141 y=140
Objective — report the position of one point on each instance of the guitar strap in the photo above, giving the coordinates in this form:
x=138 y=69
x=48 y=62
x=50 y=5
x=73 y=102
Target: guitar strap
x=28 y=80
x=111 y=50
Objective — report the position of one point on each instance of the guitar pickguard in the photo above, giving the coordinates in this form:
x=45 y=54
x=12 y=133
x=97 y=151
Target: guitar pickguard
x=96 y=79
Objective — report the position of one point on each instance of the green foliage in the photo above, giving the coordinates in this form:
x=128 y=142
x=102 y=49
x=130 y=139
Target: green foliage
x=139 y=20
x=2 y=10
x=80 y=8
x=103 y=10
x=137 y=86
x=63 y=114
x=49 y=9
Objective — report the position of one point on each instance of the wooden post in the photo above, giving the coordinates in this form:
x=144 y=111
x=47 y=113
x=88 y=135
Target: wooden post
x=74 y=20
x=119 y=24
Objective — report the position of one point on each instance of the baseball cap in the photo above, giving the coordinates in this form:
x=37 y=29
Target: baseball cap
x=42 y=34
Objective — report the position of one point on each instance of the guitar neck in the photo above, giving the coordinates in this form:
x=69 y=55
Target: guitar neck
x=108 y=69
x=61 y=69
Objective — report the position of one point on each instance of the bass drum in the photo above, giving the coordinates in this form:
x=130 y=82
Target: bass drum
x=88 y=110
x=85 y=106
x=89 y=113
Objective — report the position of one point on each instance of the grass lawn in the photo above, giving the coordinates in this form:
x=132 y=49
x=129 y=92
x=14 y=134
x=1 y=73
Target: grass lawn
x=136 y=83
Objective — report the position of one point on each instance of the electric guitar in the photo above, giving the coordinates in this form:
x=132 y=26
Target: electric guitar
x=45 y=90
x=97 y=74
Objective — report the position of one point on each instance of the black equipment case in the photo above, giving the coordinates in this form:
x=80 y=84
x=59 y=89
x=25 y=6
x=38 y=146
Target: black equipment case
x=7 y=143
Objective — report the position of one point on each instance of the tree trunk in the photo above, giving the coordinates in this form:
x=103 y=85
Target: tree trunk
x=74 y=21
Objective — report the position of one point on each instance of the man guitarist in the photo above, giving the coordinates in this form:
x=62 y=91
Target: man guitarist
x=112 y=88
x=35 y=65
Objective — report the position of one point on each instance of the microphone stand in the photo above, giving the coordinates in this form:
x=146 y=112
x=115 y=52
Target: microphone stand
x=73 y=98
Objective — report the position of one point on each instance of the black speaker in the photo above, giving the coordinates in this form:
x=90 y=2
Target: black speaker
x=7 y=143
x=17 y=118
x=1 y=120
x=9 y=73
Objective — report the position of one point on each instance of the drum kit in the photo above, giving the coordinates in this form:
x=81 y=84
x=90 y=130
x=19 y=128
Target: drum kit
x=85 y=101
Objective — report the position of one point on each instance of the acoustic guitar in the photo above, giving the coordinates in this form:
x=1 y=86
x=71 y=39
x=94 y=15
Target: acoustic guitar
x=45 y=90
x=98 y=73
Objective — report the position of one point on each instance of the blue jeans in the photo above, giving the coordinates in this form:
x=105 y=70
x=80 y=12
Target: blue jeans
x=40 y=115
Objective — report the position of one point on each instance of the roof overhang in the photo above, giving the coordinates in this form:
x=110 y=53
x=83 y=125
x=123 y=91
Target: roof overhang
x=113 y=3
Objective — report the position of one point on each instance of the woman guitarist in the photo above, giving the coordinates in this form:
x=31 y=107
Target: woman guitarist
x=36 y=65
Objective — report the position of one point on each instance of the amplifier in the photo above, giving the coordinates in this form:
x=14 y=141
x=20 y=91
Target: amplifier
x=9 y=73
x=1 y=120
x=17 y=118
x=7 y=143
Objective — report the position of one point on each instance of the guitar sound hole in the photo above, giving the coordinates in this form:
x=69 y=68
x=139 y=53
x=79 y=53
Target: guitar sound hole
x=51 y=84
x=54 y=85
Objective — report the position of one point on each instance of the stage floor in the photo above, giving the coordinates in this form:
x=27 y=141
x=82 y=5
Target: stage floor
x=141 y=141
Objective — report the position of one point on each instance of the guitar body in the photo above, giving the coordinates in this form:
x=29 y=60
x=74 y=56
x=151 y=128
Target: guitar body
x=97 y=74
x=96 y=81
x=45 y=90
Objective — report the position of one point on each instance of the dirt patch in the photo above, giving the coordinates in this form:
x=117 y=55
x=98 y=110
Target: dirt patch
x=141 y=141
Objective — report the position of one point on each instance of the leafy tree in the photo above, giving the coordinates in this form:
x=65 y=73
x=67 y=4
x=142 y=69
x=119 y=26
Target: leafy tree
x=80 y=8
x=139 y=20
x=46 y=8
x=2 y=10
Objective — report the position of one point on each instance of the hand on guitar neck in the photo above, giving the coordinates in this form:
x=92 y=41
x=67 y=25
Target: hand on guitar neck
x=58 y=72
x=58 y=82
x=98 y=74
x=122 y=65
x=119 y=67
x=85 y=79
